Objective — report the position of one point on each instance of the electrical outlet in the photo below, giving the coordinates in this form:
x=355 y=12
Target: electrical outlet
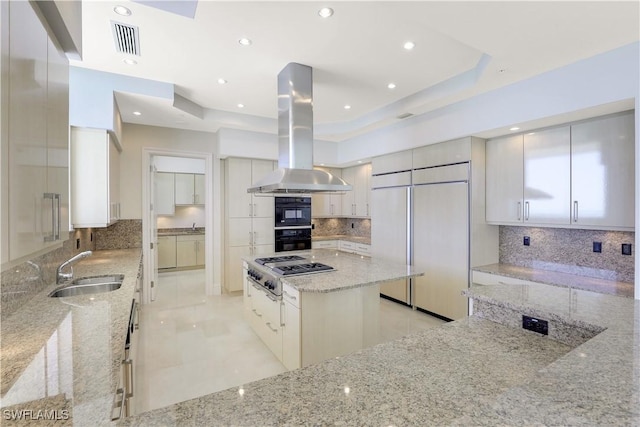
x=91 y=239
x=536 y=325
x=77 y=243
x=526 y=241
x=626 y=249
x=351 y=225
x=597 y=247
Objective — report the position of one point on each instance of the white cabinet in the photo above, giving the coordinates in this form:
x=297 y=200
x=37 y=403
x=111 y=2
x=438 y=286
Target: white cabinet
x=166 y=251
x=396 y=162
x=35 y=129
x=291 y=340
x=325 y=244
x=603 y=172
x=355 y=203
x=573 y=176
x=94 y=187
x=249 y=220
x=190 y=251
x=327 y=204
x=241 y=174
x=189 y=189
x=528 y=178
x=165 y=203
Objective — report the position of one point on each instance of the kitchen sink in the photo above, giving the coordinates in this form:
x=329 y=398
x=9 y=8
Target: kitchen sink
x=90 y=285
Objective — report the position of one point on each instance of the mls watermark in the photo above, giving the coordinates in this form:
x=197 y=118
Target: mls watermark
x=35 y=415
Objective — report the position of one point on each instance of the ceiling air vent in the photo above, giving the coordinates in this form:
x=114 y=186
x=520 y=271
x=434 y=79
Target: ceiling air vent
x=126 y=38
x=404 y=116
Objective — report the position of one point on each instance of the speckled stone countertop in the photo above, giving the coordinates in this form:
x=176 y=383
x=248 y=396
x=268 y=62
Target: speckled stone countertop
x=596 y=384
x=180 y=231
x=65 y=353
x=354 y=239
x=351 y=271
x=560 y=279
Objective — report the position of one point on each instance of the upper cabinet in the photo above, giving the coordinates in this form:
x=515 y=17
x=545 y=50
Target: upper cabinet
x=327 y=204
x=603 y=172
x=355 y=203
x=580 y=176
x=165 y=203
x=35 y=135
x=95 y=178
x=189 y=189
x=241 y=174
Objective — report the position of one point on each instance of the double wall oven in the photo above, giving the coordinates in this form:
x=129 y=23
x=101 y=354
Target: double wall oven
x=292 y=223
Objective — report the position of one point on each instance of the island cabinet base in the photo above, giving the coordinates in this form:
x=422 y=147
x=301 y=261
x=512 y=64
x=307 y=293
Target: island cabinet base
x=308 y=327
x=338 y=323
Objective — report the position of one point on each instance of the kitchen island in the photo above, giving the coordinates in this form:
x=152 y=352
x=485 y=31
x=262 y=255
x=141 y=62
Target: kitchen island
x=473 y=371
x=314 y=316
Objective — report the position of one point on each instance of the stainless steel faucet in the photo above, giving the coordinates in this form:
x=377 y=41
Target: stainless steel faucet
x=193 y=227
x=60 y=276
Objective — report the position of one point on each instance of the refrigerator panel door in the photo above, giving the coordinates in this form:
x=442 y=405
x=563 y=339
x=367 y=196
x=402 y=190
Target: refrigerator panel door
x=389 y=234
x=441 y=248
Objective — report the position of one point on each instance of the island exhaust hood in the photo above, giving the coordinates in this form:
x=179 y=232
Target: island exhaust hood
x=295 y=173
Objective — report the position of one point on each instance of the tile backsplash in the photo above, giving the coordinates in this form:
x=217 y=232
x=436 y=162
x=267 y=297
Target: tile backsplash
x=569 y=251
x=358 y=227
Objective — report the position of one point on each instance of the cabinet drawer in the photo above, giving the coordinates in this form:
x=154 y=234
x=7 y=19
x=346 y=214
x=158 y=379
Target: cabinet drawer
x=347 y=246
x=291 y=295
x=363 y=249
x=325 y=244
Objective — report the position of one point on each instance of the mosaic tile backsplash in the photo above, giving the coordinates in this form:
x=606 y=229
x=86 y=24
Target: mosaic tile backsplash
x=569 y=251
x=357 y=227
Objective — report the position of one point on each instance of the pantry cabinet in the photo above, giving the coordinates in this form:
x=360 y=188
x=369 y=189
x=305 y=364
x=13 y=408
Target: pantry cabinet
x=35 y=134
x=95 y=178
x=355 y=203
x=569 y=176
x=327 y=204
x=189 y=189
x=603 y=172
x=250 y=218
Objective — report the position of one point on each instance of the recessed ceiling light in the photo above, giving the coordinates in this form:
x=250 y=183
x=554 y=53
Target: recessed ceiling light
x=245 y=41
x=531 y=133
x=391 y=85
x=502 y=70
x=130 y=61
x=347 y=107
x=359 y=161
x=137 y=113
x=222 y=81
x=121 y=10
x=240 y=105
x=514 y=128
x=409 y=45
x=325 y=12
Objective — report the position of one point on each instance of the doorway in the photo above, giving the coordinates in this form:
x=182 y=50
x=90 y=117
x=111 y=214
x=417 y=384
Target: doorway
x=204 y=214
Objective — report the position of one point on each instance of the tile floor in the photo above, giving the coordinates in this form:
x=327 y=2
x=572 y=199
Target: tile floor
x=191 y=344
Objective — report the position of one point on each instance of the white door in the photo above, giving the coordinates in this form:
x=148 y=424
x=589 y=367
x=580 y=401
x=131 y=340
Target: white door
x=153 y=226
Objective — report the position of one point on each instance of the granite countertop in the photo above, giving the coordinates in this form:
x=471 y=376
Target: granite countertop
x=468 y=372
x=602 y=286
x=346 y=237
x=180 y=231
x=64 y=354
x=351 y=271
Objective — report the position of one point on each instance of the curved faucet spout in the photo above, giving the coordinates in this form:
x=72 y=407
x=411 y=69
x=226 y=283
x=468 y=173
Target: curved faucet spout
x=60 y=276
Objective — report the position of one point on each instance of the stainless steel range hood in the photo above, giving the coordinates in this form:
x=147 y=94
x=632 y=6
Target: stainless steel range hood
x=295 y=173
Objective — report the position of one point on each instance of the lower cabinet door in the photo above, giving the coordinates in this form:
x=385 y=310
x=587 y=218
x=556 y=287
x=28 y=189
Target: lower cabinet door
x=290 y=335
x=167 y=252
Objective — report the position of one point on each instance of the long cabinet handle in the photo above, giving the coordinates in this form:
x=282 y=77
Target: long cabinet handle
x=281 y=315
x=272 y=330
x=250 y=209
x=368 y=214
x=526 y=211
x=575 y=211
x=519 y=211
x=255 y=209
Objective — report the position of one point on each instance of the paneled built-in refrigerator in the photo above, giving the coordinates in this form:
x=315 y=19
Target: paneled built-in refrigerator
x=424 y=221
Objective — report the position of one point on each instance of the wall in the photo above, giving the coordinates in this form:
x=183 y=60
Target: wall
x=184 y=217
x=569 y=251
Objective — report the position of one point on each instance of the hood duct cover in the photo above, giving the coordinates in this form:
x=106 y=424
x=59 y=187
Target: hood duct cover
x=295 y=173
